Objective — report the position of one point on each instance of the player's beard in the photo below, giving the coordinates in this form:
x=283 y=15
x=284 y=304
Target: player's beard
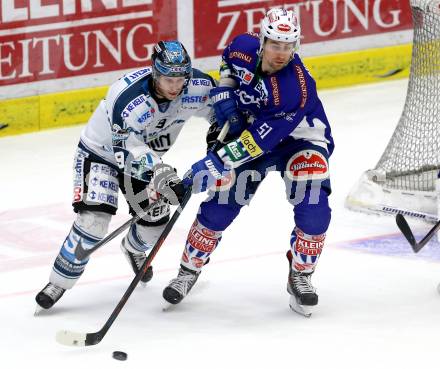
x=276 y=65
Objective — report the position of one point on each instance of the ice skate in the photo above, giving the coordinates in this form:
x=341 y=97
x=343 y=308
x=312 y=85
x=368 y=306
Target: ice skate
x=180 y=286
x=303 y=295
x=136 y=260
x=47 y=297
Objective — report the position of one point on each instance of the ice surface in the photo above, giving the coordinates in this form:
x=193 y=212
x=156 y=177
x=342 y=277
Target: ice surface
x=378 y=307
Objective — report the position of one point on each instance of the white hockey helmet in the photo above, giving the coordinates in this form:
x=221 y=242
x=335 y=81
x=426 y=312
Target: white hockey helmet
x=280 y=25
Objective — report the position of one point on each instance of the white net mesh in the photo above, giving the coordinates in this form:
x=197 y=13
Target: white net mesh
x=404 y=180
x=412 y=158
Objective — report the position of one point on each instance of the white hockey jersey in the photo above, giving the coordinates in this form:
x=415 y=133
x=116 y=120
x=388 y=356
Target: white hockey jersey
x=130 y=130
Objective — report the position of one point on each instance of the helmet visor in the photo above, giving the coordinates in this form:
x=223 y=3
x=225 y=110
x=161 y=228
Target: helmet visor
x=172 y=70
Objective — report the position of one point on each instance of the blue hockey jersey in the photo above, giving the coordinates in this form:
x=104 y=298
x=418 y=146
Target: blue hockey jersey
x=282 y=106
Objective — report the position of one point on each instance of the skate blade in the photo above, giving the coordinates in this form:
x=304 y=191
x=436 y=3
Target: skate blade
x=38 y=310
x=168 y=307
x=303 y=310
x=143 y=284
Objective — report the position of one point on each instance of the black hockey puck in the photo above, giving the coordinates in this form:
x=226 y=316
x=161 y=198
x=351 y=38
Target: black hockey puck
x=119 y=355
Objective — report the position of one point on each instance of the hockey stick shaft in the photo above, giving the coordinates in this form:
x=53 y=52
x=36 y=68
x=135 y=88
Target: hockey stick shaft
x=81 y=253
x=409 y=235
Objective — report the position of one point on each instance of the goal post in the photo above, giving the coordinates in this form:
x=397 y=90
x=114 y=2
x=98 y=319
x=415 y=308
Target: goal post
x=406 y=176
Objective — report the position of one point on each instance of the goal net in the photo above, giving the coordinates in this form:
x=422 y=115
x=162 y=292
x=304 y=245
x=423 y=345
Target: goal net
x=404 y=180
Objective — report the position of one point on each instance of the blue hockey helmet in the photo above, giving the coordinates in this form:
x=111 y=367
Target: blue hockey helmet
x=171 y=59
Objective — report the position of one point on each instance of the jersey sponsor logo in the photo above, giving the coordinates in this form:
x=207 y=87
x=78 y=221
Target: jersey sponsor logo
x=302 y=85
x=308 y=245
x=284 y=27
x=287 y=116
x=200 y=241
x=191 y=99
x=249 y=144
x=234 y=151
x=303 y=267
x=241 y=56
x=109 y=185
x=246 y=99
x=201 y=82
x=208 y=232
x=78 y=171
x=138 y=73
x=275 y=90
x=103 y=168
x=145 y=116
x=103 y=198
x=132 y=105
x=244 y=74
x=77 y=193
x=260 y=87
x=307 y=165
x=161 y=143
x=197 y=262
x=247 y=78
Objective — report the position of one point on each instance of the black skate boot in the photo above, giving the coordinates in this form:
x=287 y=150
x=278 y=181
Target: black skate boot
x=303 y=295
x=48 y=296
x=136 y=261
x=180 y=286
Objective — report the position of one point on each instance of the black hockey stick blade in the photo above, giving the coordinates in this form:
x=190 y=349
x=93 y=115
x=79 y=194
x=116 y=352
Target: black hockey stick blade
x=406 y=230
x=81 y=253
x=71 y=338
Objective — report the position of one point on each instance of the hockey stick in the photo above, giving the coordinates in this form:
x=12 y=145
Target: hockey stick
x=406 y=230
x=70 y=338
x=82 y=253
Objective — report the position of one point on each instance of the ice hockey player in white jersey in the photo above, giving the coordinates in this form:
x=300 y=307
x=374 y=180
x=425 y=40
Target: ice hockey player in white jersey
x=121 y=147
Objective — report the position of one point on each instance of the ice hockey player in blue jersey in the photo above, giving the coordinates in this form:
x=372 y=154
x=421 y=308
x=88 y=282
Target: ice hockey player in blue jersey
x=121 y=147
x=271 y=103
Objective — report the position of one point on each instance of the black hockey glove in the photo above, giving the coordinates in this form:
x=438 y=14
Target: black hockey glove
x=166 y=182
x=212 y=134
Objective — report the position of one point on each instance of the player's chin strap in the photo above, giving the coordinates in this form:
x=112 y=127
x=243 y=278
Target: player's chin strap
x=71 y=338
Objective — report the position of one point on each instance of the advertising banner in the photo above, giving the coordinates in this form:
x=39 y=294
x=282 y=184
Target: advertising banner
x=51 y=39
x=216 y=22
